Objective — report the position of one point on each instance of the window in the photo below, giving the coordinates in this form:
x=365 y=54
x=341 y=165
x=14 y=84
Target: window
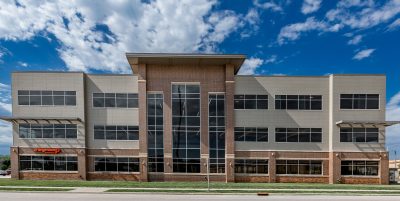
x=359 y=135
x=298 y=102
x=298 y=134
x=113 y=132
x=48 y=163
x=251 y=102
x=116 y=164
x=115 y=100
x=186 y=128
x=299 y=167
x=251 y=166
x=47 y=98
x=216 y=132
x=360 y=168
x=251 y=134
x=61 y=131
x=155 y=132
x=359 y=101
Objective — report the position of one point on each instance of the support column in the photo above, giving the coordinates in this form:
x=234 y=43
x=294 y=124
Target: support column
x=384 y=168
x=82 y=165
x=229 y=123
x=142 y=121
x=334 y=167
x=14 y=153
x=272 y=167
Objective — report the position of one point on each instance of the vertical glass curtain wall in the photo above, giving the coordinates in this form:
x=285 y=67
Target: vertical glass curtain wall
x=216 y=131
x=186 y=127
x=155 y=132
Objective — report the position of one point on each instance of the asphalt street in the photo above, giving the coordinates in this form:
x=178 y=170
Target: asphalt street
x=57 y=196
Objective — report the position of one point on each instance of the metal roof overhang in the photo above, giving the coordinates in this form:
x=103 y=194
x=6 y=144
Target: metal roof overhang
x=184 y=59
x=344 y=123
x=38 y=120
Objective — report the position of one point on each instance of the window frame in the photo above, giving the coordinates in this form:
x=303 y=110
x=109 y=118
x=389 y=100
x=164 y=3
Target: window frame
x=65 y=95
x=256 y=101
x=115 y=100
x=353 y=100
x=310 y=100
x=116 y=132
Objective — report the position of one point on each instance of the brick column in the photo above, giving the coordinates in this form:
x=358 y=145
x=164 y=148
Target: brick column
x=14 y=153
x=334 y=167
x=229 y=123
x=167 y=111
x=82 y=164
x=384 y=168
x=272 y=167
x=142 y=121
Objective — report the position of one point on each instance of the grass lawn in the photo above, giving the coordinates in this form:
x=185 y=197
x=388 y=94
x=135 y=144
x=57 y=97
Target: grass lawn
x=35 y=189
x=194 y=185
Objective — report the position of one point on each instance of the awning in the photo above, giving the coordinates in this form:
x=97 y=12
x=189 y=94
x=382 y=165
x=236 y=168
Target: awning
x=344 y=123
x=43 y=120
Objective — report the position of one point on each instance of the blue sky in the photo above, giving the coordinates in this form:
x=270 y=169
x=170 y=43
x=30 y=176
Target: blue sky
x=292 y=37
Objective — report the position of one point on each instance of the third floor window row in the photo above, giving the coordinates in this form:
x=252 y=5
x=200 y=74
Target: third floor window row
x=46 y=98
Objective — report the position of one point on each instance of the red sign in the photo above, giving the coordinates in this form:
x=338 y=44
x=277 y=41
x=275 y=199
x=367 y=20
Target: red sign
x=48 y=150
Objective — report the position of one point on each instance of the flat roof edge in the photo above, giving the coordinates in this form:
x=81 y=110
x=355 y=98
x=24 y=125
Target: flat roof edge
x=183 y=55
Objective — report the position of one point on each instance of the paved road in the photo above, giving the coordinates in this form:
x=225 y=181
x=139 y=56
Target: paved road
x=152 y=197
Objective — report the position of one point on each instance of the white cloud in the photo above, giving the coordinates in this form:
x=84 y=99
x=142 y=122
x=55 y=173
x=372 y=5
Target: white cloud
x=294 y=31
x=5 y=134
x=23 y=64
x=271 y=59
x=310 y=6
x=269 y=5
x=363 y=54
x=352 y=14
x=250 y=66
x=394 y=25
x=6 y=106
x=368 y=15
x=355 y=40
x=4 y=86
x=96 y=34
x=393 y=114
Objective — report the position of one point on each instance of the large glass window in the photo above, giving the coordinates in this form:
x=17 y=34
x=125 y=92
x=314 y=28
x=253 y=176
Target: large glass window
x=48 y=163
x=298 y=134
x=115 y=100
x=48 y=131
x=359 y=135
x=116 y=132
x=251 y=166
x=186 y=128
x=299 y=167
x=251 y=101
x=216 y=131
x=359 y=101
x=116 y=164
x=298 y=102
x=251 y=134
x=47 y=98
x=155 y=132
x=360 y=168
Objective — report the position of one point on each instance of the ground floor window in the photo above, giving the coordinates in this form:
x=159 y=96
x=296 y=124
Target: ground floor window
x=48 y=163
x=299 y=167
x=360 y=168
x=116 y=164
x=251 y=166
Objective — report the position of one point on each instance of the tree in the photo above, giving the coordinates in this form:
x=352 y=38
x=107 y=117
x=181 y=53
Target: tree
x=5 y=164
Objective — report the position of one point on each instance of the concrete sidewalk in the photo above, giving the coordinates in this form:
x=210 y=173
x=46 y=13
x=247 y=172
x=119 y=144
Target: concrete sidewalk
x=103 y=189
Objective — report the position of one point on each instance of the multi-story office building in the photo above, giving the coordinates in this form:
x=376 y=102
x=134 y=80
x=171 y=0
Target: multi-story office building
x=179 y=116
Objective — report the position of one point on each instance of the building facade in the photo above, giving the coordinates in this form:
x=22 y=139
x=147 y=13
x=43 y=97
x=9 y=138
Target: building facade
x=179 y=117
